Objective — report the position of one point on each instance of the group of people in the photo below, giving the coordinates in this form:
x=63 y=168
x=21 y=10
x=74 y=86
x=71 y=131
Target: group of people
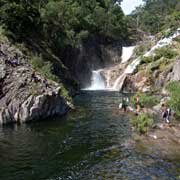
x=13 y=61
x=36 y=79
x=125 y=103
x=165 y=109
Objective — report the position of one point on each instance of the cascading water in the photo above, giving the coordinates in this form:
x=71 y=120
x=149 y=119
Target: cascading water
x=161 y=43
x=97 y=81
x=119 y=82
x=131 y=67
x=127 y=52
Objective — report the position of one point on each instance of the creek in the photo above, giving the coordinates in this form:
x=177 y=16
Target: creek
x=92 y=143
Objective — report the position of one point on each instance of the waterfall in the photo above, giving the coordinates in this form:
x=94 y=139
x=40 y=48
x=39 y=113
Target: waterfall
x=163 y=42
x=132 y=66
x=97 y=81
x=119 y=82
x=127 y=53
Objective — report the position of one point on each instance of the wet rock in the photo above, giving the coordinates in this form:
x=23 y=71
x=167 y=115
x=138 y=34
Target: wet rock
x=153 y=136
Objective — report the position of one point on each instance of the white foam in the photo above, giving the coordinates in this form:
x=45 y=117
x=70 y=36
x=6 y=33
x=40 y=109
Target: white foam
x=127 y=53
x=97 y=81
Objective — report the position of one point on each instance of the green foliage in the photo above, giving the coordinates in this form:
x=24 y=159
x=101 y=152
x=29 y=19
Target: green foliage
x=45 y=68
x=177 y=39
x=20 y=17
x=148 y=59
x=64 y=92
x=166 y=33
x=166 y=52
x=146 y=100
x=155 y=16
x=142 y=123
x=174 y=89
x=162 y=57
x=62 y=22
x=142 y=48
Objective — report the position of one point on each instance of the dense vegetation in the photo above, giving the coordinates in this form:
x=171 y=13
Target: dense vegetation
x=174 y=88
x=55 y=30
x=147 y=100
x=63 y=23
x=155 y=16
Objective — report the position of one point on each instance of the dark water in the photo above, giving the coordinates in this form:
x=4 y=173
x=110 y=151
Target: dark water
x=92 y=143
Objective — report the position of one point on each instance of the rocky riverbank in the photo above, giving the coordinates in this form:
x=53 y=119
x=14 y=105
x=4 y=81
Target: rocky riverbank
x=22 y=98
x=163 y=140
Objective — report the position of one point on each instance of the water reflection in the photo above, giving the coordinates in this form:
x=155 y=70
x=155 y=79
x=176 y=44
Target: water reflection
x=91 y=143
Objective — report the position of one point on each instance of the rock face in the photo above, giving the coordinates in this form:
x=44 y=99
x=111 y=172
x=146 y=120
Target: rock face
x=91 y=55
x=176 y=71
x=21 y=98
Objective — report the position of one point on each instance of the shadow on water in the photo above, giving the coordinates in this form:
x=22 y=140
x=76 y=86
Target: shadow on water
x=91 y=143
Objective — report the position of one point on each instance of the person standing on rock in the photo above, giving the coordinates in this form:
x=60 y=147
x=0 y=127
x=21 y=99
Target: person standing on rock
x=15 y=61
x=45 y=82
x=138 y=104
x=168 y=114
x=124 y=104
x=163 y=110
x=34 y=77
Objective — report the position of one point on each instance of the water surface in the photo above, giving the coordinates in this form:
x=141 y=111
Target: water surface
x=91 y=143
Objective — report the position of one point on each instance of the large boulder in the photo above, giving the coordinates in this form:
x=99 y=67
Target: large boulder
x=21 y=98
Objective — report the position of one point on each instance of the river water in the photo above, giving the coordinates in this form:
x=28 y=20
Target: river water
x=91 y=143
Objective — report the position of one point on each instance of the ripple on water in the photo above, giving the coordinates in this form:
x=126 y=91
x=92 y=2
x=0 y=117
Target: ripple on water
x=91 y=143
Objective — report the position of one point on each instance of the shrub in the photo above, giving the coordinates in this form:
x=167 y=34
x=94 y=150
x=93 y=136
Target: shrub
x=142 y=48
x=142 y=123
x=45 y=68
x=147 y=59
x=174 y=89
x=65 y=93
x=166 y=52
x=166 y=33
x=177 y=39
x=146 y=100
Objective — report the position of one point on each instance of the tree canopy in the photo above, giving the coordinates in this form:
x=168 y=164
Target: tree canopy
x=64 y=22
x=155 y=16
